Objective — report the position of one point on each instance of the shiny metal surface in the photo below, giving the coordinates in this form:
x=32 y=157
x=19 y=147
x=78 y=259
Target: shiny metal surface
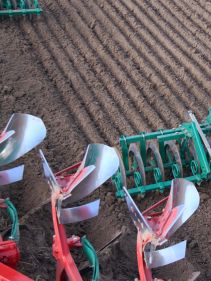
x=11 y=175
x=29 y=132
x=194 y=276
x=165 y=256
x=5 y=136
x=4 y=140
x=79 y=177
x=182 y=203
x=202 y=135
x=106 y=163
x=49 y=175
x=137 y=217
x=80 y=213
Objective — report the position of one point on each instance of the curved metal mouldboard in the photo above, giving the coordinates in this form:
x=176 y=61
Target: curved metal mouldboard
x=106 y=162
x=11 y=175
x=79 y=213
x=165 y=256
x=22 y=133
x=182 y=203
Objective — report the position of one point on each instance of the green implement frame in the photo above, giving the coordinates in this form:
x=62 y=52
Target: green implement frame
x=92 y=258
x=151 y=160
x=15 y=235
x=19 y=7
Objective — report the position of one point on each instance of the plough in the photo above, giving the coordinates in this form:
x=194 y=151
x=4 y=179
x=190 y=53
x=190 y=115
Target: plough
x=70 y=185
x=151 y=160
x=185 y=148
x=155 y=228
x=19 y=7
x=22 y=133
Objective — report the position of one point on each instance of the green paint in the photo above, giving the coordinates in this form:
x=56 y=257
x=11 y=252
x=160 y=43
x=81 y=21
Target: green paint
x=198 y=166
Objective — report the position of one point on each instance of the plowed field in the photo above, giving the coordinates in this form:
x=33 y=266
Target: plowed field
x=94 y=70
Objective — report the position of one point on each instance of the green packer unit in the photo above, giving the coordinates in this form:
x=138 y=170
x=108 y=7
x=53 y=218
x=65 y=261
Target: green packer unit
x=149 y=161
x=19 y=7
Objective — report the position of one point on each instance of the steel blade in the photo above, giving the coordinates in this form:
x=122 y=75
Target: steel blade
x=4 y=137
x=194 y=276
x=11 y=175
x=4 y=140
x=49 y=175
x=137 y=217
x=80 y=213
x=202 y=135
x=165 y=256
x=79 y=178
x=183 y=193
x=169 y=223
x=29 y=132
x=106 y=163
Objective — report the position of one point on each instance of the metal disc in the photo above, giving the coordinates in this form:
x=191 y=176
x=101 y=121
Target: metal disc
x=14 y=4
x=28 y=4
x=154 y=159
x=172 y=149
x=1 y=5
x=134 y=154
x=121 y=168
x=192 y=152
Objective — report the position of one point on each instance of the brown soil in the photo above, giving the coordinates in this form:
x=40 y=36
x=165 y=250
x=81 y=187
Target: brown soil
x=93 y=70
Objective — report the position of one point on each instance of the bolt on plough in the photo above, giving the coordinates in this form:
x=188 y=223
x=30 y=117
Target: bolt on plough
x=155 y=228
x=68 y=186
x=22 y=133
x=152 y=160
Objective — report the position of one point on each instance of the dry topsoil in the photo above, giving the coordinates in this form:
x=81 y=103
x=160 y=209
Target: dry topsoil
x=93 y=70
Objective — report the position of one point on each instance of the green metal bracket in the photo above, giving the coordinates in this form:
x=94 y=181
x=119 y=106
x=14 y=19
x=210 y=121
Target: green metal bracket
x=91 y=255
x=15 y=234
x=19 y=7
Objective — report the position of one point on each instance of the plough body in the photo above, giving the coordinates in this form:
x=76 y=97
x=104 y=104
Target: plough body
x=155 y=228
x=99 y=164
x=16 y=139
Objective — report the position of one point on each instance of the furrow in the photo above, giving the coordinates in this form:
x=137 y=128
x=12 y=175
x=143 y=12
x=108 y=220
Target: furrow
x=150 y=33
x=159 y=66
x=110 y=114
x=91 y=40
x=59 y=78
x=195 y=30
x=110 y=93
x=134 y=76
x=188 y=44
x=79 y=83
x=190 y=14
